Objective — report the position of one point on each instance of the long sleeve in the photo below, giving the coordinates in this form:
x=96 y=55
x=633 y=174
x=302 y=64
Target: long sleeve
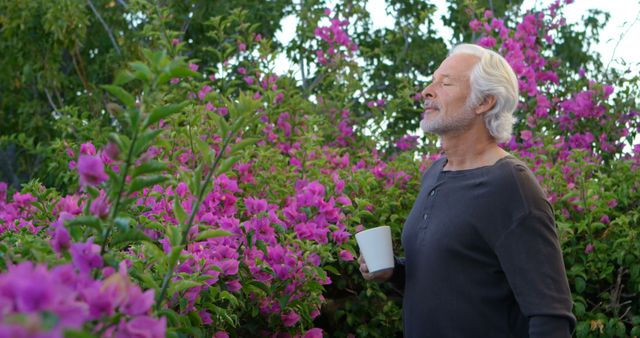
x=531 y=259
x=398 y=277
x=549 y=327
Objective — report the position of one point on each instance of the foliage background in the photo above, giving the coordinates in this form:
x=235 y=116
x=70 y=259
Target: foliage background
x=350 y=120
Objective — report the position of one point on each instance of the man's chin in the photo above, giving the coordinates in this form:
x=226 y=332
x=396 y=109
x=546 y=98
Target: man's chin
x=427 y=127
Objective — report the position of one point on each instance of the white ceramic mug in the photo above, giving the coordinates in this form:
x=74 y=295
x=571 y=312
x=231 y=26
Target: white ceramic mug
x=376 y=248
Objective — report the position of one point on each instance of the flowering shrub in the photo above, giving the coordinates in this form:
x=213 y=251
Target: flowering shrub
x=225 y=200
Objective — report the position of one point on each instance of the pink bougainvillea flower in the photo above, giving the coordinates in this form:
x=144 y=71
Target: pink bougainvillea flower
x=86 y=256
x=206 y=89
x=290 y=319
x=345 y=255
x=61 y=240
x=137 y=302
x=101 y=301
x=588 y=249
x=112 y=151
x=91 y=170
x=234 y=285
x=314 y=333
x=100 y=206
x=255 y=206
x=143 y=327
x=279 y=98
x=87 y=149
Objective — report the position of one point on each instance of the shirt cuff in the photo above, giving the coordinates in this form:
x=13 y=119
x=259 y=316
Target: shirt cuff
x=549 y=327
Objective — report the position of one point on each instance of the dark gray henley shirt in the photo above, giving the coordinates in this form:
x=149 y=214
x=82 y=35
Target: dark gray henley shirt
x=482 y=257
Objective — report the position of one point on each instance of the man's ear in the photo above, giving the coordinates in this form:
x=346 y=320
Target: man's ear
x=487 y=103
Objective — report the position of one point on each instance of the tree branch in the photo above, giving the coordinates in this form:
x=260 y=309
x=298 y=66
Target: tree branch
x=53 y=105
x=613 y=54
x=104 y=24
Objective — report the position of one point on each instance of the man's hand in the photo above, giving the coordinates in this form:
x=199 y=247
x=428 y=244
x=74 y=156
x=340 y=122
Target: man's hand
x=380 y=276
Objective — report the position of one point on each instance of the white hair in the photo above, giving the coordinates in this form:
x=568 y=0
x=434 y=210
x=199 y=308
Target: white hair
x=492 y=75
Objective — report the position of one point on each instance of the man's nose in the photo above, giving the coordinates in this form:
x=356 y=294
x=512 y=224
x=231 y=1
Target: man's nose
x=428 y=92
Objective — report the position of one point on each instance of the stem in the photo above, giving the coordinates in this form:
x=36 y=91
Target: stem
x=116 y=205
x=193 y=152
x=302 y=68
x=104 y=24
x=53 y=105
x=163 y=29
x=613 y=54
x=194 y=210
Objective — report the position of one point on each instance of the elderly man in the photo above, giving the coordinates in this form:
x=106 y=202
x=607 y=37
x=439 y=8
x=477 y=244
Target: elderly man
x=482 y=256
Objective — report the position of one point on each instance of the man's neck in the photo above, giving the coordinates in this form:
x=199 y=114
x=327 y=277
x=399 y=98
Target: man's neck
x=470 y=150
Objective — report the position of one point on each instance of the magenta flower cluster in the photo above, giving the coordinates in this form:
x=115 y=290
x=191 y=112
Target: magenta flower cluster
x=336 y=38
x=34 y=293
x=407 y=142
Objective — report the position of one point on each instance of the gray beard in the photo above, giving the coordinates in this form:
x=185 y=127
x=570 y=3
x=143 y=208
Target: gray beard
x=448 y=124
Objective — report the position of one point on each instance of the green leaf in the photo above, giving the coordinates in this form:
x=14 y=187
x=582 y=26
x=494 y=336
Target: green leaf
x=148 y=282
x=84 y=220
x=260 y=245
x=195 y=319
x=132 y=236
x=174 y=255
x=580 y=284
x=243 y=144
x=178 y=211
x=163 y=112
x=122 y=77
x=77 y=334
x=284 y=300
x=221 y=123
x=93 y=192
x=120 y=140
x=163 y=78
x=245 y=105
x=155 y=57
x=239 y=123
x=152 y=251
x=208 y=154
x=257 y=286
x=140 y=183
x=362 y=202
x=144 y=140
x=174 y=235
x=141 y=71
x=365 y=214
x=227 y=164
x=133 y=116
x=171 y=315
x=148 y=168
x=212 y=234
x=182 y=285
x=124 y=96
x=183 y=71
x=332 y=269
x=122 y=223
x=49 y=320
x=226 y=295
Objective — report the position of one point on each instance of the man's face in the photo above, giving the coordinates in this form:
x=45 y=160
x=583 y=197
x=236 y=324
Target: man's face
x=445 y=99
